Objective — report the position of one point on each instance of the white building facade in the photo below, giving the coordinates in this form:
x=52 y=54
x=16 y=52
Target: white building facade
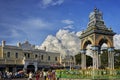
x=26 y=57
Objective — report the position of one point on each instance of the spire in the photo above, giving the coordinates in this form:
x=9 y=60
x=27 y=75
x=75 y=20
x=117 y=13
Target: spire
x=96 y=18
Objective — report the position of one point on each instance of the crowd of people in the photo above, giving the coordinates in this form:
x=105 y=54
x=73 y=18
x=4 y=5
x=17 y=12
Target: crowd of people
x=39 y=75
x=6 y=75
x=43 y=75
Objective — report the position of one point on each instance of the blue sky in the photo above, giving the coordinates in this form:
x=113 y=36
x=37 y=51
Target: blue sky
x=34 y=20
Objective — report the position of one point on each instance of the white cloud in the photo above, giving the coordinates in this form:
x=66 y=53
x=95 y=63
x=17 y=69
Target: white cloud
x=69 y=27
x=11 y=33
x=67 y=21
x=30 y=29
x=79 y=33
x=117 y=41
x=33 y=26
x=65 y=42
x=58 y=2
x=69 y=24
x=35 y=23
x=89 y=51
x=47 y=3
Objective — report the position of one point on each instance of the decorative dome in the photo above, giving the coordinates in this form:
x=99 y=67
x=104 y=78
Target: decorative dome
x=96 y=14
x=96 y=19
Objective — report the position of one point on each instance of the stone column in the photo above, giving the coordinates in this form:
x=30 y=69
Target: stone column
x=14 y=69
x=83 y=57
x=99 y=59
x=25 y=66
x=36 y=67
x=95 y=57
x=111 y=58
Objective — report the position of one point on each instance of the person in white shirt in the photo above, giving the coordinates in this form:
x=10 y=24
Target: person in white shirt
x=30 y=76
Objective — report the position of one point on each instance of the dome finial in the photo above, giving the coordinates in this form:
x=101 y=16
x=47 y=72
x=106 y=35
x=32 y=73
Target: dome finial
x=95 y=7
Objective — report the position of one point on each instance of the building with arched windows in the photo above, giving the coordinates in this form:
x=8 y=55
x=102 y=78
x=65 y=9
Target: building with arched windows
x=25 y=56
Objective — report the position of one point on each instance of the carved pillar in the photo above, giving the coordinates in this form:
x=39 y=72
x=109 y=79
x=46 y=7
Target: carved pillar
x=99 y=60
x=111 y=58
x=95 y=57
x=83 y=57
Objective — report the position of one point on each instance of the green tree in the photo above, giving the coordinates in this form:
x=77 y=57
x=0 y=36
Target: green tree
x=88 y=59
x=117 y=58
x=78 y=58
x=104 y=58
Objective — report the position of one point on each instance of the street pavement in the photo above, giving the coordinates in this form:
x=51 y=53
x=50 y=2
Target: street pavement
x=18 y=79
x=23 y=79
x=35 y=79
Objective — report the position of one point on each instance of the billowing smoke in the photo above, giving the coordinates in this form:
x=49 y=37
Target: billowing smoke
x=68 y=43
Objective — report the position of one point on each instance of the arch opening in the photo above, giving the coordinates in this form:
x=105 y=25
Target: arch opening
x=87 y=46
x=103 y=51
x=30 y=68
x=88 y=42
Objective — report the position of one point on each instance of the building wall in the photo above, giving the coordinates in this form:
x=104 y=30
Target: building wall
x=12 y=59
x=23 y=59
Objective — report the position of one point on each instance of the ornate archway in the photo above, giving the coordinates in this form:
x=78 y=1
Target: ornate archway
x=96 y=34
x=30 y=68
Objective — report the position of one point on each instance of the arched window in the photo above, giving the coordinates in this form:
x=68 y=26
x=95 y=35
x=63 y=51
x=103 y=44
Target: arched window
x=25 y=54
x=8 y=54
x=16 y=55
x=36 y=56
x=55 y=58
x=41 y=57
x=28 y=55
x=48 y=58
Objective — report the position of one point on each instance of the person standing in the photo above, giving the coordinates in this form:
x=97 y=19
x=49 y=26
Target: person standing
x=0 y=75
x=44 y=75
x=49 y=75
x=30 y=76
x=53 y=75
x=41 y=75
x=37 y=75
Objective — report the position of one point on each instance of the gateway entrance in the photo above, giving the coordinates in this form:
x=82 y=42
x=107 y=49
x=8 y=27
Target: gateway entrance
x=96 y=35
x=30 y=68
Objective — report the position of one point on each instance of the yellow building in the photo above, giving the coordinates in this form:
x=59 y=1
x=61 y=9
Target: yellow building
x=25 y=56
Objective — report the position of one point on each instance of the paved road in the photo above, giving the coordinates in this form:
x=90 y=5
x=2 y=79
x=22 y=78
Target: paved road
x=59 y=79
x=23 y=79
x=19 y=79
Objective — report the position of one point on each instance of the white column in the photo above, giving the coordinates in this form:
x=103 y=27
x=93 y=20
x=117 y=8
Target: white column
x=25 y=66
x=111 y=58
x=99 y=59
x=108 y=59
x=95 y=57
x=112 y=63
x=83 y=61
x=35 y=64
